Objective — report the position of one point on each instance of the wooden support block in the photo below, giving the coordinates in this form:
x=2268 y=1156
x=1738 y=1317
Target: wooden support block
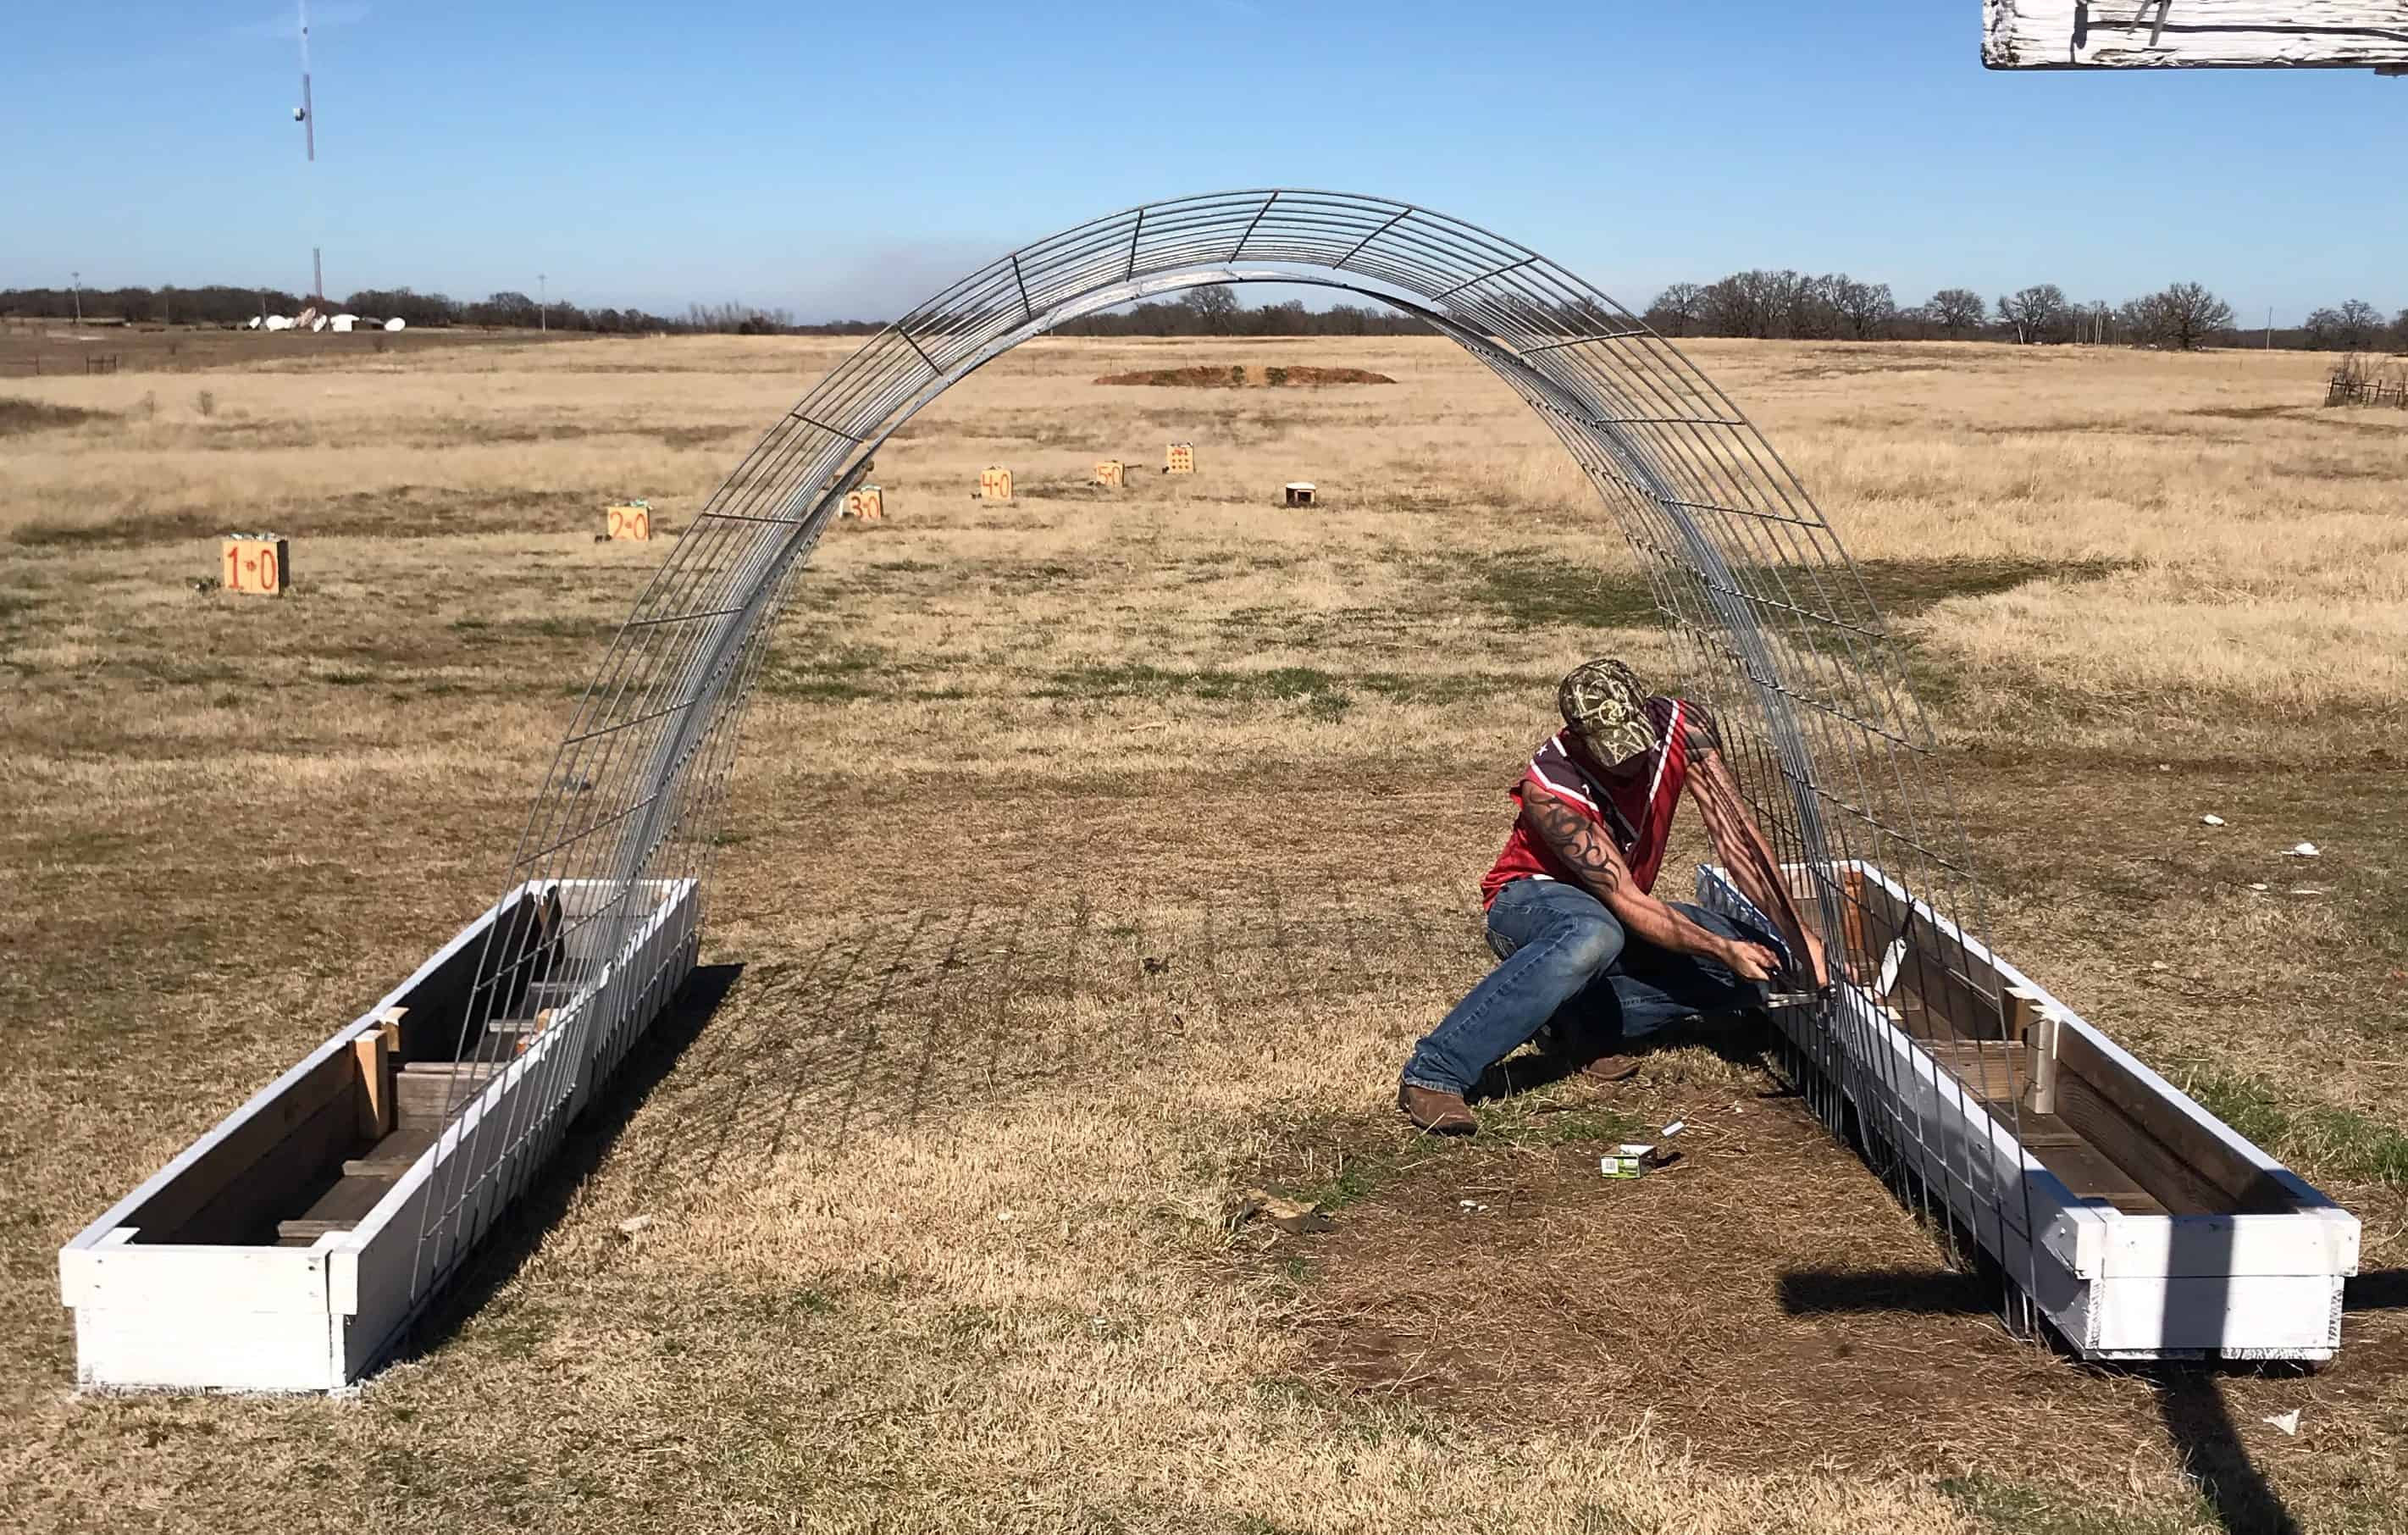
x=1112 y=472
x=391 y=1156
x=426 y=1090
x=521 y=1032
x=374 y=1053
x=1852 y=923
x=1991 y=1070
x=629 y=520
x=1181 y=459
x=868 y=503
x=995 y=484
x=2029 y=1020
x=255 y=564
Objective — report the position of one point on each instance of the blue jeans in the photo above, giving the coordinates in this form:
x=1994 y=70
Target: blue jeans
x=1569 y=962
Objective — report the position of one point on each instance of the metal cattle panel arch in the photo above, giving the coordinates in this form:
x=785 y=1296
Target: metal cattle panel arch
x=1782 y=637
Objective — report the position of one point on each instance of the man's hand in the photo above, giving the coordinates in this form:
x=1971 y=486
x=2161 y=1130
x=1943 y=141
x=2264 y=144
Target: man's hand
x=1749 y=961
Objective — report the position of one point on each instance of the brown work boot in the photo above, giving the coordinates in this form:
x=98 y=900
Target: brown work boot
x=1440 y=1114
x=1605 y=1069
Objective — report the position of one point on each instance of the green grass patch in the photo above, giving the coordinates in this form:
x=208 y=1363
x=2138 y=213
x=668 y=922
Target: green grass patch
x=2017 y=1508
x=836 y=674
x=2326 y=1141
x=1529 y=588
x=1318 y=693
x=2245 y=1103
x=1522 y=1121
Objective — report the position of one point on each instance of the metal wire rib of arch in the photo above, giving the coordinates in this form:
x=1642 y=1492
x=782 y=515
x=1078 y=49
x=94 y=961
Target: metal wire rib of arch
x=1781 y=637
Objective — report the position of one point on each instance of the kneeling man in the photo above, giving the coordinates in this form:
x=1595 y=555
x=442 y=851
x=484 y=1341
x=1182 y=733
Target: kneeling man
x=1586 y=950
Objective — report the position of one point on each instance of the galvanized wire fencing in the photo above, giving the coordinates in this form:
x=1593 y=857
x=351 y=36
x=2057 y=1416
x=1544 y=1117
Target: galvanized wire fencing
x=1782 y=642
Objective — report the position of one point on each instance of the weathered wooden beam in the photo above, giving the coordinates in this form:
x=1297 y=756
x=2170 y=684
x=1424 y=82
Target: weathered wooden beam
x=2195 y=34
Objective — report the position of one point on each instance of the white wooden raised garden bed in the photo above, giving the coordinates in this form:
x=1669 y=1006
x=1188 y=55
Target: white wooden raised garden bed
x=282 y=1251
x=2162 y=1233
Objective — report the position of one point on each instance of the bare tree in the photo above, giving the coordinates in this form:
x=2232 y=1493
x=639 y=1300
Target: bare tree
x=1958 y=311
x=2322 y=329
x=1866 y=308
x=1216 y=308
x=1813 y=309
x=2192 y=314
x=2360 y=325
x=1678 y=308
x=2037 y=313
x=2183 y=316
x=2399 y=330
x=1755 y=303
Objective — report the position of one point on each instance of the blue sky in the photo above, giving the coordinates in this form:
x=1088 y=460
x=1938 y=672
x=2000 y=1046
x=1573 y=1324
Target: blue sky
x=851 y=161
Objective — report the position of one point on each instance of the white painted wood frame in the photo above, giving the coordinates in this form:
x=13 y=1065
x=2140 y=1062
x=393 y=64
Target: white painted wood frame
x=2114 y=1284
x=2195 y=34
x=263 y=1318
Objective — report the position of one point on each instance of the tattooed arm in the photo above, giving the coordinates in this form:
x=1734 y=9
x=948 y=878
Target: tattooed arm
x=1584 y=848
x=1740 y=845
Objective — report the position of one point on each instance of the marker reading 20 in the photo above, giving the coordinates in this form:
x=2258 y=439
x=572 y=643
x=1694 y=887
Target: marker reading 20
x=257 y=566
x=629 y=519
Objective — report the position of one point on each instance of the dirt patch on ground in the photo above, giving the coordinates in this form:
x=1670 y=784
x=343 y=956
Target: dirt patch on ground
x=1764 y=1302
x=1246 y=376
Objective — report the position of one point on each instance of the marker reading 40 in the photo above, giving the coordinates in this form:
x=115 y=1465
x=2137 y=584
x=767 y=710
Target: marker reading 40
x=260 y=566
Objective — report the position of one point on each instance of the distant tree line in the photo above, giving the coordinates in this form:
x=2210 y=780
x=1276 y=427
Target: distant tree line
x=1216 y=310
x=218 y=305
x=1837 y=307
x=1760 y=302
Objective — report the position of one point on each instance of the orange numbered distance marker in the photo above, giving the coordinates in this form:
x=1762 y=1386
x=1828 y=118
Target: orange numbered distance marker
x=630 y=519
x=255 y=564
x=995 y=484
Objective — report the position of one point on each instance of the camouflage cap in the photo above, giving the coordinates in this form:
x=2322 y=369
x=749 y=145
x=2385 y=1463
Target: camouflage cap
x=1605 y=705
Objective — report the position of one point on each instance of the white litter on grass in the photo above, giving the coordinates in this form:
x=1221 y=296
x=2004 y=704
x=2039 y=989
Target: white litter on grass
x=633 y=1225
x=1675 y=1127
x=2159 y=965
x=1003 y=1214
x=2259 y=886
x=2211 y=820
x=1474 y=1205
x=2305 y=890
x=2305 y=850
x=2287 y=1422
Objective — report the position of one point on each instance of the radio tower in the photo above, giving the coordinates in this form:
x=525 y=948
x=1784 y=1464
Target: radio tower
x=307 y=115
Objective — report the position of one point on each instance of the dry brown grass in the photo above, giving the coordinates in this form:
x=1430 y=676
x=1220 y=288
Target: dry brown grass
x=228 y=823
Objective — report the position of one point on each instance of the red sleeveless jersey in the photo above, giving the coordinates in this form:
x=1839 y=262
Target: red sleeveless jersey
x=1636 y=813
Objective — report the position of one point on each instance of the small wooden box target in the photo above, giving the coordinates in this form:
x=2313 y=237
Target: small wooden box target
x=868 y=503
x=1181 y=459
x=1110 y=471
x=254 y=563
x=629 y=520
x=1299 y=493
x=995 y=484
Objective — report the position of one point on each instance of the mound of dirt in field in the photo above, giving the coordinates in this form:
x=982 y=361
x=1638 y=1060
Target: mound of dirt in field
x=1246 y=376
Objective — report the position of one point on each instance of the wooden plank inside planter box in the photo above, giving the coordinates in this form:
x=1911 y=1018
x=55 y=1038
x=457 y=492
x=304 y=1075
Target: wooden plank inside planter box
x=2144 y=1227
